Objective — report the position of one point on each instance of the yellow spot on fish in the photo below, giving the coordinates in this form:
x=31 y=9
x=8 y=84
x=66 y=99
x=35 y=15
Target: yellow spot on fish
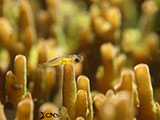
x=65 y=60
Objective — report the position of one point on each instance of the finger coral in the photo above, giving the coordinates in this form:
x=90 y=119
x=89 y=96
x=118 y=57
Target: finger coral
x=2 y=115
x=147 y=108
x=25 y=108
x=83 y=83
x=111 y=66
x=81 y=104
x=133 y=39
x=118 y=78
x=80 y=101
x=114 y=110
x=16 y=81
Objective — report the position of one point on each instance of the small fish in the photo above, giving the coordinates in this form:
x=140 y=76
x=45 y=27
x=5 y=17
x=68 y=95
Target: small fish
x=62 y=60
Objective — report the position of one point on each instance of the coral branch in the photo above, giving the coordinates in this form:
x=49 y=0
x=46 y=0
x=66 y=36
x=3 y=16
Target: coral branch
x=69 y=89
x=16 y=82
x=2 y=115
x=83 y=84
x=126 y=81
x=26 y=16
x=117 y=106
x=25 y=108
x=81 y=104
x=108 y=54
x=145 y=92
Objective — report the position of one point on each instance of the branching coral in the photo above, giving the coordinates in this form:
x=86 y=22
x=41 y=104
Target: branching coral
x=126 y=82
x=26 y=16
x=84 y=84
x=25 y=108
x=8 y=38
x=108 y=54
x=69 y=90
x=48 y=18
x=116 y=107
x=147 y=109
x=111 y=69
x=133 y=39
x=113 y=36
x=16 y=81
x=108 y=107
x=78 y=102
x=106 y=21
x=49 y=82
x=2 y=115
x=19 y=37
x=26 y=23
x=81 y=104
x=4 y=64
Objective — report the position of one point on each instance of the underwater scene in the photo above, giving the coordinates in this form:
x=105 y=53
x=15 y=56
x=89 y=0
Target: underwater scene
x=79 y=59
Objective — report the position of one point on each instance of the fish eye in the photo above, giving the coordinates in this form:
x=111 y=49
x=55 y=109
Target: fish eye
x=79 y=56
x=77 y=60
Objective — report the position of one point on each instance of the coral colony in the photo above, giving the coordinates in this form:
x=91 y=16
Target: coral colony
x=101 y=58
